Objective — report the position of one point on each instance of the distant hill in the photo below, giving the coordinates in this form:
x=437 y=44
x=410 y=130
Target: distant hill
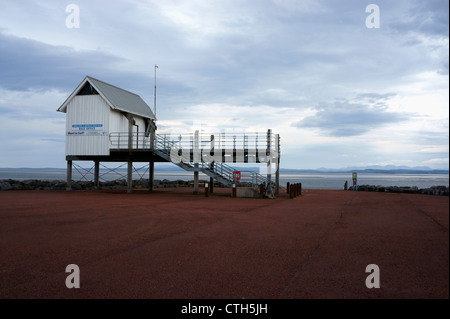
x=369 y=170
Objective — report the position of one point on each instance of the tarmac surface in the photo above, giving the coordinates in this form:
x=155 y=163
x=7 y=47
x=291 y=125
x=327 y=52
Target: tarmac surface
x=172 y=244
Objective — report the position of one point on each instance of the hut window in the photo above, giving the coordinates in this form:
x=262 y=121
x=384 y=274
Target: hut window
x=87 y=89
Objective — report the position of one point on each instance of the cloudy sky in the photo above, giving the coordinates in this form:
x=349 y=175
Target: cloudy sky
x=339 y=93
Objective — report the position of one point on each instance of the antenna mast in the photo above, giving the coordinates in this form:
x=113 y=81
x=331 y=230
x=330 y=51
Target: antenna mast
x=154 y=105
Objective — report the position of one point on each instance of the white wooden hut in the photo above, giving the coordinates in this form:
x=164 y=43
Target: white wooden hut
x=107 y=123
x=97 y=111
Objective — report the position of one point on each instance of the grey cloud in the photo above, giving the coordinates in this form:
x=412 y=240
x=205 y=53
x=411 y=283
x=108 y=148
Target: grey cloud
x=371 y=97
x=28 y=64
x=424 y=21
x=443 y=68
x=52 y=139
x=427 y=17
x=432 y=138
x=352 y=117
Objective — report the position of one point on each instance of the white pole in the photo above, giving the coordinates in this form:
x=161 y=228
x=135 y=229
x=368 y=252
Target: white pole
x=268 y=156
x=154 y=106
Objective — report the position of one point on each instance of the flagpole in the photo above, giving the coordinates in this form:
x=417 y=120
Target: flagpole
x=154 y=105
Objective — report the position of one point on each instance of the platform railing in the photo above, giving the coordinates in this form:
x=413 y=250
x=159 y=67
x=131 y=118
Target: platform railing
x=119 y=140
x=250 y=177
x=254 y=142
x=164 y=143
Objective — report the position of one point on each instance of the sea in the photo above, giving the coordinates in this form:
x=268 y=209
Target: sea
x=308 y=180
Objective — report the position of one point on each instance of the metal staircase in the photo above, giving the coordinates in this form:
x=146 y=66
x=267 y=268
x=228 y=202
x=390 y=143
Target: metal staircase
x=220 y=172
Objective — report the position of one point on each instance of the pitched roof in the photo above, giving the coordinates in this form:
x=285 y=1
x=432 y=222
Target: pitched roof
x=117 y=98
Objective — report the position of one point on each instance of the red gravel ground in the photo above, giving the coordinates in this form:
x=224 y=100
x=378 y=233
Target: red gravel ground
x=173 y=244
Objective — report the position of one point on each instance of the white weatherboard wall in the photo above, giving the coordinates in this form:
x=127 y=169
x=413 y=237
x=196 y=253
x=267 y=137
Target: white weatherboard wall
x=87 y=126
x=119 y=124
x=90 y=120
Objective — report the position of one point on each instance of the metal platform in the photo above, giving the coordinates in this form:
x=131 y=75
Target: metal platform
x=209 y=153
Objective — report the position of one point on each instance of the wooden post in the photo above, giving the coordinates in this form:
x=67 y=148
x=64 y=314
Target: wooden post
x=261 y=191
x=130 y=148
x=211 y=180
x=69 y=175
x=196 y=180
x=129 y=176
x=151 y=176
x=206 y=190
x=288 y=185
x=96 y=174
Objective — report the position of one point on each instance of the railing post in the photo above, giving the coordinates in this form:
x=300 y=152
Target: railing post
x=212 y=144
x=268 y=156
x=197 y=151
x=152 y=140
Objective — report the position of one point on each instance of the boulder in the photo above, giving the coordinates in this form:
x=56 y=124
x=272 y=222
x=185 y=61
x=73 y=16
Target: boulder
x=76 y=186
x=5 y=186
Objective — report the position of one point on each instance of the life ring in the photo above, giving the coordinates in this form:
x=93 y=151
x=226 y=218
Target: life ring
x=237 y=175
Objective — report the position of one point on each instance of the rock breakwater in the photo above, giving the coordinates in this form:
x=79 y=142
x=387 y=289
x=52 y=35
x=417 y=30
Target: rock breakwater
x=433 y=190
x=34 y=184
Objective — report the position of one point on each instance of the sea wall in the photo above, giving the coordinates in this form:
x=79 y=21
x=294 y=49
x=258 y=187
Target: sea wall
x=34 y=184
x=433 y=190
